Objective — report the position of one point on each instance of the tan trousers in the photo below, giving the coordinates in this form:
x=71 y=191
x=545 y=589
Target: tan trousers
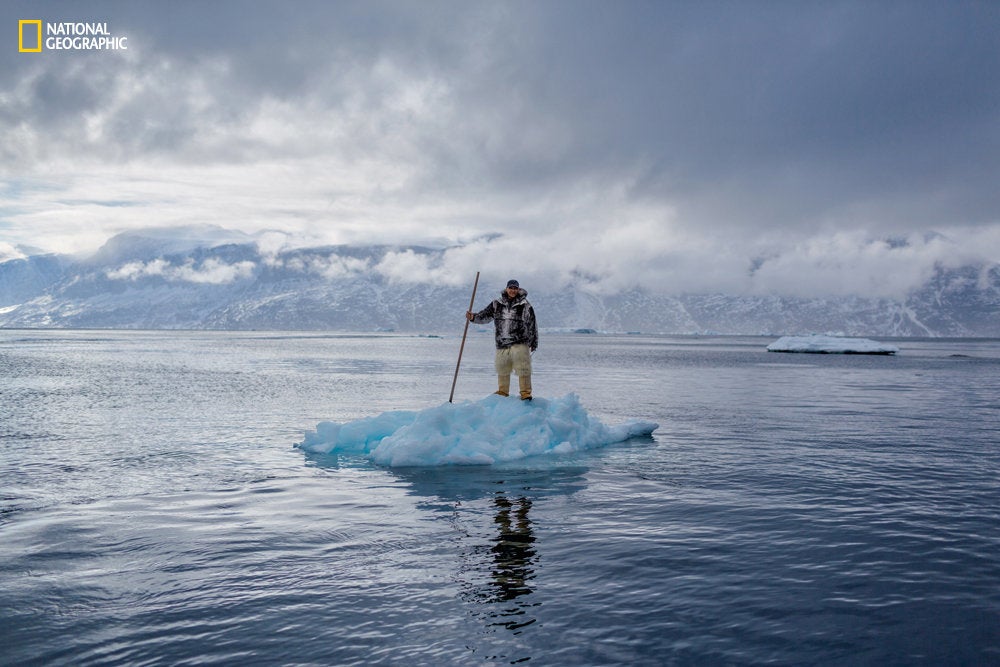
x=516 y=358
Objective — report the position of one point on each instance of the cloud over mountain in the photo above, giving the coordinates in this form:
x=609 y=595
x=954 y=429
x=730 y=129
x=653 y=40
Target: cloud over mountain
x=138 y=281
x=750 y=148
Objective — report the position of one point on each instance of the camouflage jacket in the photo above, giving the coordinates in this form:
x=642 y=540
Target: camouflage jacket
x=513 y=320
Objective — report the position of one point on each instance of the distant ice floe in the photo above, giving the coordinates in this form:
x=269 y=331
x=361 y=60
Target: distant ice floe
x=830 y=345
x=492 y=430
x=573 y=330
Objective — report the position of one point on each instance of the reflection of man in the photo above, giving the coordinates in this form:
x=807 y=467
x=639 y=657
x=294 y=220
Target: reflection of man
x=512 y=552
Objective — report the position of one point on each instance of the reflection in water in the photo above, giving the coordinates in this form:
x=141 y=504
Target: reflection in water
x=513 y=559
x=489 y=508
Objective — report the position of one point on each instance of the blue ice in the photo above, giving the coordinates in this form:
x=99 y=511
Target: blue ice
x=492 y=430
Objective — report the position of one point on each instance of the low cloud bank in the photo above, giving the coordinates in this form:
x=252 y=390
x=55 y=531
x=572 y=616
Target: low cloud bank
x=211 y=271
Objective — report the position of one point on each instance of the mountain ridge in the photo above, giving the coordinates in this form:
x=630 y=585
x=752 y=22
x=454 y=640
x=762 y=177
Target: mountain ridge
x=230 y=283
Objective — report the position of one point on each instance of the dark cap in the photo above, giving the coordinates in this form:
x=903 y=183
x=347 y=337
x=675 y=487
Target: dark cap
x=512 y=283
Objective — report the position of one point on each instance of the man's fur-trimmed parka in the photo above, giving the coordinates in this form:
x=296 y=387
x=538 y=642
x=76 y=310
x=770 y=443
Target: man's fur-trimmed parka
x=513 y=320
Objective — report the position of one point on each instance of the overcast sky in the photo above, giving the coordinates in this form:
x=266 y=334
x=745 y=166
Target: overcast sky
x=761 y=147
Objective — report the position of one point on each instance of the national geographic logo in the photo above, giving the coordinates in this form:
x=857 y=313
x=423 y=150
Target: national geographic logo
x=34 y=34
x=29 y=36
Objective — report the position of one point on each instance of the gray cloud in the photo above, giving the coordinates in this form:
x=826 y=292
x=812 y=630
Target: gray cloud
x=718 y=145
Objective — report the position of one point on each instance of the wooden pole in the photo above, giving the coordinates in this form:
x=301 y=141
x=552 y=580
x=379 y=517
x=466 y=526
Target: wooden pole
x=472 y=302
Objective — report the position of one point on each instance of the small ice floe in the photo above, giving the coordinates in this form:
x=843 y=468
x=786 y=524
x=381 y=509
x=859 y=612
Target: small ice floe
x=830 y=345
x=492 y=430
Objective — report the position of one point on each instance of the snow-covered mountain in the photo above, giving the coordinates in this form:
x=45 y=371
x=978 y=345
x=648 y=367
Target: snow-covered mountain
x=153 y=279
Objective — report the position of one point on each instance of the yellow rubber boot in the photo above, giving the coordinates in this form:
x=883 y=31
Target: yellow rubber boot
x=525 y=382
x=503 y=384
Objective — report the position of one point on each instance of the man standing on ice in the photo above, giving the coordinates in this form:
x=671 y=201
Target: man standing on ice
x=516 y=336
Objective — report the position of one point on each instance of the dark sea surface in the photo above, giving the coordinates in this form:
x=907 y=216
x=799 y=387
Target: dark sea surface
x=790 y=509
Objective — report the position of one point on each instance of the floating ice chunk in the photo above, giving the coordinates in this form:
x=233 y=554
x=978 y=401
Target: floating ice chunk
x=830 y=345
x=494 y=429
x=357 y=437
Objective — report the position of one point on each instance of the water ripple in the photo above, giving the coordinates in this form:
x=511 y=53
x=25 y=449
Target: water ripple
x=154 y=512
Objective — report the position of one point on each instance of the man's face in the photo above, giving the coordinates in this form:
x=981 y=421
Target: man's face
x=512 y=292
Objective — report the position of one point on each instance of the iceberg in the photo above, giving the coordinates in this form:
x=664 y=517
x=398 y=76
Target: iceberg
x=492 y=430
x=830 y=345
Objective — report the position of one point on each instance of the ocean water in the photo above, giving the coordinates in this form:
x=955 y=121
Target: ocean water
x=789 y=510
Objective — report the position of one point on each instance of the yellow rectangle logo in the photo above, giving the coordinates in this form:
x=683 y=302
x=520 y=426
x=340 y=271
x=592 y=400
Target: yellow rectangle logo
x=25 y=46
